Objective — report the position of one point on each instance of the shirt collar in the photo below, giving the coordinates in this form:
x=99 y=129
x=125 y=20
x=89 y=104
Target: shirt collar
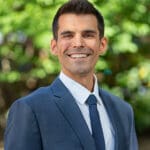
x=79 y=92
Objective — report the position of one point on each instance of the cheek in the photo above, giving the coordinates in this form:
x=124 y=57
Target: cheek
x=63 y=44
x=95 y=48
x=94 y=44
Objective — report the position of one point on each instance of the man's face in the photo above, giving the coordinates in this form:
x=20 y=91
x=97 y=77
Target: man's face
x=78 y=45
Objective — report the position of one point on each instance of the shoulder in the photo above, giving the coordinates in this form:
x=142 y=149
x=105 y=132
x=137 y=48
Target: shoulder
x=39 y=94
x=40 y=98
x=116 y=102
x=34 y=99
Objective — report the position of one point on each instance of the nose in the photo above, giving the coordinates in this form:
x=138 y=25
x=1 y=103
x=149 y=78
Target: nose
x=78 y=41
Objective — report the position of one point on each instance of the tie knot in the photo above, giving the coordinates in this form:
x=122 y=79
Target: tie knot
x=91 y=100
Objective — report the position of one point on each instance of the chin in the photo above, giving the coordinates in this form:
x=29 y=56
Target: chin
x=81 y=72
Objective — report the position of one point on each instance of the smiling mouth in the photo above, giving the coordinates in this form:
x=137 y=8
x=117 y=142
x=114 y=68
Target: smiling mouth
x=78 y=55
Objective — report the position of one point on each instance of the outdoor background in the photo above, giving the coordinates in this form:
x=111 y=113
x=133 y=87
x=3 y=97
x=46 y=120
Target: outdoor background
x=26 y=62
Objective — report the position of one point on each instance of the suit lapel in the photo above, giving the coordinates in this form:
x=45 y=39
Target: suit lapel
x=72 y=113
x=115 y=120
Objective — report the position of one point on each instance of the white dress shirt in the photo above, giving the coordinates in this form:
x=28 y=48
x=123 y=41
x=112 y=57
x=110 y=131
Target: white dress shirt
x=80 y=94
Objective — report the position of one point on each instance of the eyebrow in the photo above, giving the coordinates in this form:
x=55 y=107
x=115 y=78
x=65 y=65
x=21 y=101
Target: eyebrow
x=90 y=31
x=84 y=31
x=66 y=32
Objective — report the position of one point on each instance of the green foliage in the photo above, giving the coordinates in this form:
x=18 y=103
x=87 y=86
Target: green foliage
x=25 y=34
x=141 y=107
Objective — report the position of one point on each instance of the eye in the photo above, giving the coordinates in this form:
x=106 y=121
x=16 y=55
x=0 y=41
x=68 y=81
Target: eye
x=67 y=36
x=89 y=35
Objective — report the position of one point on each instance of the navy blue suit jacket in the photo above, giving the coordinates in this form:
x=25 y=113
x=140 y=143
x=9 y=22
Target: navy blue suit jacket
x=50 y=119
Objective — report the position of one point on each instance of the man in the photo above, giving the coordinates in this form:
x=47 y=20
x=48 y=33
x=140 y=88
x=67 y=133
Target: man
x=59 y=117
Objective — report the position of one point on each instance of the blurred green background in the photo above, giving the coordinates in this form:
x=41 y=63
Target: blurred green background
x=26 y=62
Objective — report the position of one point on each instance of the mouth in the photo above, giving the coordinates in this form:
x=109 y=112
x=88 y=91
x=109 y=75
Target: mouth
x=74 y=56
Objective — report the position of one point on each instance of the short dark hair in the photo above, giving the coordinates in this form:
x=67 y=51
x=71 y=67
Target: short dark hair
x=78 y=7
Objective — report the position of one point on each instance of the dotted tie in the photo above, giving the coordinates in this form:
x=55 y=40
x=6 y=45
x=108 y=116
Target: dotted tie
x=97 y=132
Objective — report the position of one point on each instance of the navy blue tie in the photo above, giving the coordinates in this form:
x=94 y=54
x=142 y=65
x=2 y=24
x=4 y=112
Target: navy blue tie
x=97 y=132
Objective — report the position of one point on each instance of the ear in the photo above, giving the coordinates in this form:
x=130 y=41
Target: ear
x=103 y=46
x=54 y=47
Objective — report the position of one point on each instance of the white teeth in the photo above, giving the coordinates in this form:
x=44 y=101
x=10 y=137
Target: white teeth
x=78 y=55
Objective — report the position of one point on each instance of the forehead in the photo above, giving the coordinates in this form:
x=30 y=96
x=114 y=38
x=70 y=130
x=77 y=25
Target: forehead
x=77 y=22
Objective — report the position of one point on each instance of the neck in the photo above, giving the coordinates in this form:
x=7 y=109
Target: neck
x=85 y=80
